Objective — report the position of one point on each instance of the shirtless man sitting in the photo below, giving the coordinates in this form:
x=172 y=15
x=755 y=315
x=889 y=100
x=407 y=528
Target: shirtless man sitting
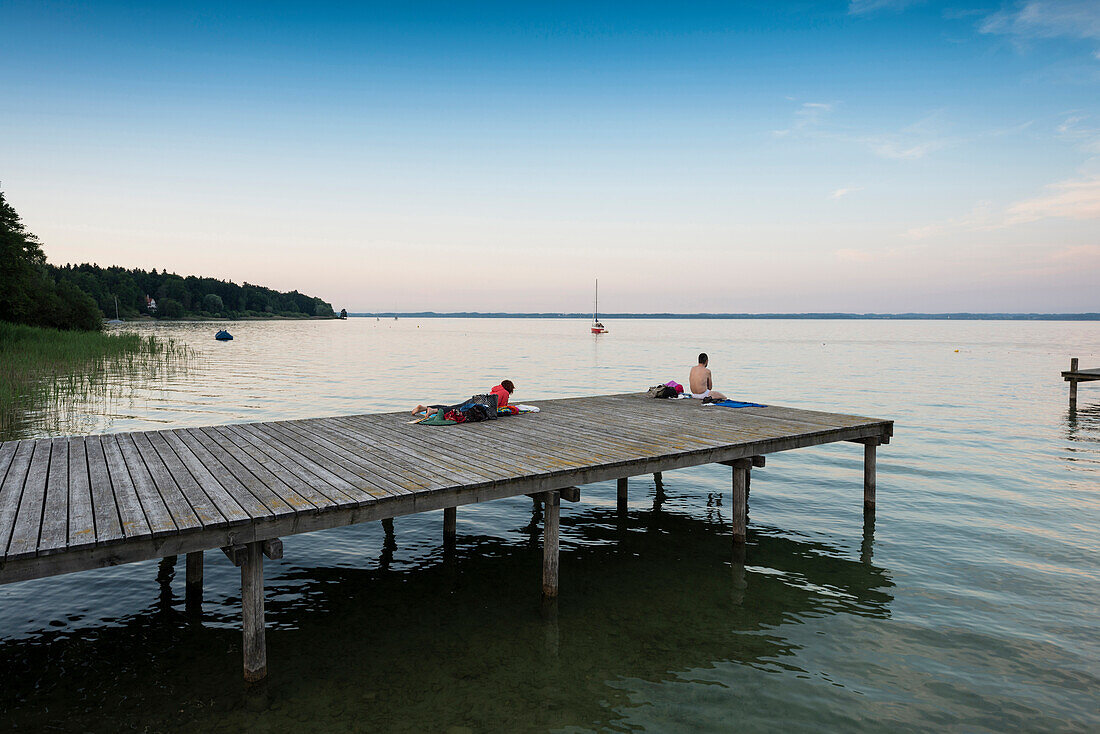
x=700 y=382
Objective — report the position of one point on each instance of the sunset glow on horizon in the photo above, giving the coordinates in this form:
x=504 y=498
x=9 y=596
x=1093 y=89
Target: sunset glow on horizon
x=871 y=156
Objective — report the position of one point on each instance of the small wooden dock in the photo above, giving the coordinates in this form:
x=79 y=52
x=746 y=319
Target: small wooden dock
x=78 y=503
x=1073 y=376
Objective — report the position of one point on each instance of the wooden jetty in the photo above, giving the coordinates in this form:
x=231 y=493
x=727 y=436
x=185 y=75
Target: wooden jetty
x=78 y=503
x=1074 y=375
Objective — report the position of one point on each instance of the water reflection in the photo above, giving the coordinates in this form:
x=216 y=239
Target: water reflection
x=466 y=643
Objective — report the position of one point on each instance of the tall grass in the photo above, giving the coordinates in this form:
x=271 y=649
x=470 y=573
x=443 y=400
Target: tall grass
x=43 y=372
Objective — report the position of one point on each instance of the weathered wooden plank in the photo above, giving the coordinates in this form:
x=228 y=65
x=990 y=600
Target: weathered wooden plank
x=466 y=448
x=183 y=512
x=201 y=499
x=418 y=461
x=255 y=475
x=269 y=469
x=298 y=463
x=108 y=524
x=238 y=506
x=384 y=480
x=350 y=483
x=515 y=456
x=7 y=456
x=11 y=489
x=82 y=529
x=256 y=498
x=154 y=486
x=53 y=535
x=28 y=521
x=139 y=516
x=382 y=451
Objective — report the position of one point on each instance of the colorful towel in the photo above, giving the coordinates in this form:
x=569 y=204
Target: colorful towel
x=436 y=419
x=736 y=404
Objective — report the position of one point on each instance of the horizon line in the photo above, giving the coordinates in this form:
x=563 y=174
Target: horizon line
x=820 y=315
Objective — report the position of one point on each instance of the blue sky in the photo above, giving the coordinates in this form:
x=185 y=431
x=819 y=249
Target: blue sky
x=862 y=156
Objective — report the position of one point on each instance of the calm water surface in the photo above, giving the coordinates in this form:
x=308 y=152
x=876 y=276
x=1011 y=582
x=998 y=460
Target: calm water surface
x=969 y=604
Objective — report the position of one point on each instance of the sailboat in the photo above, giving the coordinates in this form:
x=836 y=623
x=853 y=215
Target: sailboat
x=116 y=319
x=597 y=327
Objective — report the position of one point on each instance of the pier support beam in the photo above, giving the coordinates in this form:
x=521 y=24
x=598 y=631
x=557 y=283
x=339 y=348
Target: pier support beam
x=870 y=447
x=450 y=527
x=1073 y=385
x=741 y=469
x=551 y=502
x=193 y=587
x=623 y=493
x=252 y=607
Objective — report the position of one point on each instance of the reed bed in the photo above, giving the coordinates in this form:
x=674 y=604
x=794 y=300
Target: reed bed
x=45 y=373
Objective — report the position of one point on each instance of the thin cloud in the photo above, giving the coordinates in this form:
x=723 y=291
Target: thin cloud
x=863 y=7
x=807 y=116
x=1047 y=19
x=911 y=142
x=1076 y=199
x=842 y=192
x=1076 y=130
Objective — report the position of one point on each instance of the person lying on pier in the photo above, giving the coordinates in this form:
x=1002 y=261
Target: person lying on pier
x=699 y=381
x=503 y=391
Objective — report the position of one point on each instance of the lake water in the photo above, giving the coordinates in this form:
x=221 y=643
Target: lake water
x=969 y=604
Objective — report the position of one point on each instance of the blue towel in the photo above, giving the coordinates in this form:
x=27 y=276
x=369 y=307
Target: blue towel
x=738 y=404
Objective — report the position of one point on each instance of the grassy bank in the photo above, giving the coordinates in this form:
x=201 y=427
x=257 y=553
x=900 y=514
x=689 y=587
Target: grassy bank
x=44 y=370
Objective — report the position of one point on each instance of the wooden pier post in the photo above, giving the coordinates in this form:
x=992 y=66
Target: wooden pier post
x=252 y=607
x=193 y=586
x=622 y=493
x=450 y=526
x=551 y=502
x=740 y=499
x=1073 y=385
x=869 y=460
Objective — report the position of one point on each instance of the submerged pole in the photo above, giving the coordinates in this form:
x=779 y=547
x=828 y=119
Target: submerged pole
x=740 y=500
x=622 y=494
x=869 y=461
x=551 y=501
x=1073 y=385
x=252 y=607
x=450 y=526
x=193 y=587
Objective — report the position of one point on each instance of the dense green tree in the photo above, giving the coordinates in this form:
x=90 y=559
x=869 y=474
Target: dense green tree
x=212 y=303
x=77 y=296
x=170 y=308
x=28 y=293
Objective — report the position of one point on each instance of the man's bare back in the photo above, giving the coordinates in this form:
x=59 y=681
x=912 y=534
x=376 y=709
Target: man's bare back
x=700 y=381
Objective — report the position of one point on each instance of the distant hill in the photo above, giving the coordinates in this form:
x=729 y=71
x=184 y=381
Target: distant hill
x=174 y=296
x=866 y=316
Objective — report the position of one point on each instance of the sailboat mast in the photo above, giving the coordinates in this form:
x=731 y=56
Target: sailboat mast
x=596 y=304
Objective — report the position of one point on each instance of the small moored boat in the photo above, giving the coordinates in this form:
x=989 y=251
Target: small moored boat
x=223 y=336
x=597 y=327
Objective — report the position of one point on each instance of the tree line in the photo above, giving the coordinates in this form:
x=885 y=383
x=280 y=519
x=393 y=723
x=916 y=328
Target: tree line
x=77 y=296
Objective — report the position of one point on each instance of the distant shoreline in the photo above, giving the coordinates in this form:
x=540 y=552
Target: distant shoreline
x=747 y=316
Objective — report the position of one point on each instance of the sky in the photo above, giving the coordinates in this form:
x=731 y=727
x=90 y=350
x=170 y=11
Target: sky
x=862 y=156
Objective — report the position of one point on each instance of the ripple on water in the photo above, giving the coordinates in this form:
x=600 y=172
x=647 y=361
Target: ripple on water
x=966 y=604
